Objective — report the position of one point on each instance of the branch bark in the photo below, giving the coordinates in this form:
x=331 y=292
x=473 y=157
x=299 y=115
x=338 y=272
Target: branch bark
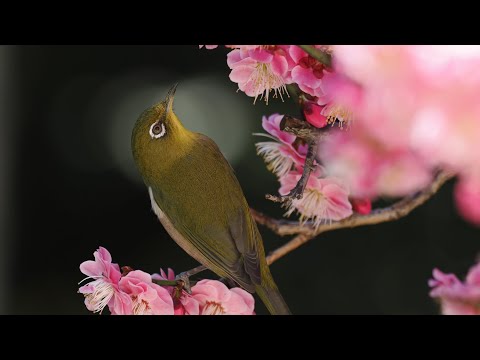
x=311 y=135
x=306 y=232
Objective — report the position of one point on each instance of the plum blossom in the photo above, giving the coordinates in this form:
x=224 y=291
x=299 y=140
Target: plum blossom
x=147 y=297
x=209 y=297
x=307 y=73
x=261 y=70
x=456 y=297
x=370 y=168
x=104 y=289
x=421 y=98
x=134 y=293
x=215 y=298
x=208 y=47
x=280 y=154
x=323 y=200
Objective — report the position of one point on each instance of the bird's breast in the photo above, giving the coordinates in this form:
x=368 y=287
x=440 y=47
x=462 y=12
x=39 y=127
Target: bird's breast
x=175 y=234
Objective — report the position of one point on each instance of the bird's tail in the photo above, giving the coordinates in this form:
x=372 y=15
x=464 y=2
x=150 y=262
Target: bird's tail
x=271 y=296
x=273 y=300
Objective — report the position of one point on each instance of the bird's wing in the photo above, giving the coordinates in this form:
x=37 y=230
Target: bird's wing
x=209 y=210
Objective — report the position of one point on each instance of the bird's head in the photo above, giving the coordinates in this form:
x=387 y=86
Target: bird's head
x=159 y=137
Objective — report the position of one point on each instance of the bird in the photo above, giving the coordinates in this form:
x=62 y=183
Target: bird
x=197 y=198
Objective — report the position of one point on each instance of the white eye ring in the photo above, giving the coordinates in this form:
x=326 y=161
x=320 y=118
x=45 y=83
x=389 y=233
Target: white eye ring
x=159 y=135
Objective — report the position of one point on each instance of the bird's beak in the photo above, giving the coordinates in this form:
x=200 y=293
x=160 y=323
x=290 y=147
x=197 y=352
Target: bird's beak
x=169 y=98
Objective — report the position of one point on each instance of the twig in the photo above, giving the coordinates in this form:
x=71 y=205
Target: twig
x=182 y=280
x=192 y=272
x=280 y=252
x=168 y=282
x=306 y=232
x=301 y=129
x=317 y=54
x=311 y=135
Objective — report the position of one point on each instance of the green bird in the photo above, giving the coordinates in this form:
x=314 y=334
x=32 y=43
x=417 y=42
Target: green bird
x=199 y=201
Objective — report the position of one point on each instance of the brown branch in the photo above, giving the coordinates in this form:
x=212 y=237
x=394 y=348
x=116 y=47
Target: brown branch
x=306 y=232
x=300 y=128
x=280 y=252
x=311 y=135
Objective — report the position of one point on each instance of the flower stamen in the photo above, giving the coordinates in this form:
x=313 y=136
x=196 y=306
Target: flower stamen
x=213 y=308
x=265 y=80
x=341 y=113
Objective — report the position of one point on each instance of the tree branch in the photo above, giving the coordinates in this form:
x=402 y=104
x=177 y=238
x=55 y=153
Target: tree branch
x=293 y=244
x=302 y=129
x=311 y=135
x=305 y=232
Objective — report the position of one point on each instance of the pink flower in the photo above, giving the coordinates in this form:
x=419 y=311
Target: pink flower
x=313 y=114
x=361 y=206
x=147 y=298
x=209 y=297
x=103 y=290
x=424 y=98
x=467 y=196
x=323 y=199
x=457 y=298
x=307 y=73
x=208 y=47
x=369 y=167
x=261 y=70
x=280 y=154
x=215 y=298
x=272 y=126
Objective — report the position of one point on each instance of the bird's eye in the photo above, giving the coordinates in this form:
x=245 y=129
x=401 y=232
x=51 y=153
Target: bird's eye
x=157 y=130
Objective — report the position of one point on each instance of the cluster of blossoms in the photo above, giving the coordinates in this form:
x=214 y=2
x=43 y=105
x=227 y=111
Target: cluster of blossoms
x=261 y=69
x=409 y=111
x=456 y=297
x=134 y=292
x=324 y=198
x=414 y=110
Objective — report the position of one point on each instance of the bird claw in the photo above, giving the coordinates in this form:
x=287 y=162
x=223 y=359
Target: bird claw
x=184 y=280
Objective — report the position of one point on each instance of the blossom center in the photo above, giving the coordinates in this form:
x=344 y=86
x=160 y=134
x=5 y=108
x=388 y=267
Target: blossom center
x=213 y=308
x=264 y=80
x=340 y=113
x=101 y=296
x=313 y=205
x=140 y=307
x=309 y=62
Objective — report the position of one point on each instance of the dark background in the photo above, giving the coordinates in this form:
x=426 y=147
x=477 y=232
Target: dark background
x=69 y=185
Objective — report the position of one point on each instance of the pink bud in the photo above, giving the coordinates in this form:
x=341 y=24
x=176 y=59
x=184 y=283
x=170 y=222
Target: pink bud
x=361 y=206
x=312 y=113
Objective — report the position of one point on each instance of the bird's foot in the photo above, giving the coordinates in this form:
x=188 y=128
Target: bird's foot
x=184 y=277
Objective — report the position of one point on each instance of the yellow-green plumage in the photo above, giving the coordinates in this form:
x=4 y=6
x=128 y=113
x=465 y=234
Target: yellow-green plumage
x=203 y=206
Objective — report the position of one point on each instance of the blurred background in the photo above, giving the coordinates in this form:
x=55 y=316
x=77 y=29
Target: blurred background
x=69 y=185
